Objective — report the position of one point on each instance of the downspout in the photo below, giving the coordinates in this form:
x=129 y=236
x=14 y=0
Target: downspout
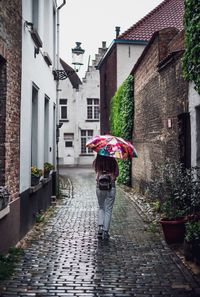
x=58 y=58
x=57 y=94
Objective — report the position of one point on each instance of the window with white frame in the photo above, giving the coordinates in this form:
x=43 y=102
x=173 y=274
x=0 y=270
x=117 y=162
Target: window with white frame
x=85 y=136
x=63 y=109
x=92 y=109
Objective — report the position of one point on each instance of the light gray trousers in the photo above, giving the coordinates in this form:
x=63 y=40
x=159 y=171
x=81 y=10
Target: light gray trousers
x=106 y=200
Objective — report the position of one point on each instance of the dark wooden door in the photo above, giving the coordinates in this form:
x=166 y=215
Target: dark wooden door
x=184 y=138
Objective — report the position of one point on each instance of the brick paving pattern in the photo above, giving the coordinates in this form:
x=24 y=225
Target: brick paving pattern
x=68 y=260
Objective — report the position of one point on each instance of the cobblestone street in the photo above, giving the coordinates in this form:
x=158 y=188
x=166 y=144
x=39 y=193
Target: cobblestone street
x=67 y=259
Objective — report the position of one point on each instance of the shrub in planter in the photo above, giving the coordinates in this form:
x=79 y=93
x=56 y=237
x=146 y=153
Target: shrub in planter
x=36 y=174
x=177 y=189
x=47 y=169
x=192 y=241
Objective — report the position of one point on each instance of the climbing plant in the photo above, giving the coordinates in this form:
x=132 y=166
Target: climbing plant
x=191 y=57
x=121 y=123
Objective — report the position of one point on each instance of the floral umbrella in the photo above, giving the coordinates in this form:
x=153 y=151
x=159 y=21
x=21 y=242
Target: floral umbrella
x=112 y=146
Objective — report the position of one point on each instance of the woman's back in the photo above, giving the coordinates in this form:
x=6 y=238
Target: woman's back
x=106 y=164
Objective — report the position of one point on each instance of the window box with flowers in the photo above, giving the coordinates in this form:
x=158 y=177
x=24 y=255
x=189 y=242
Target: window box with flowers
x=36 y=174
x=48 y=167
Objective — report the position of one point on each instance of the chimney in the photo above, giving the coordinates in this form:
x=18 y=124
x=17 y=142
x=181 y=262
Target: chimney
x=117 y=29
x=103 y=44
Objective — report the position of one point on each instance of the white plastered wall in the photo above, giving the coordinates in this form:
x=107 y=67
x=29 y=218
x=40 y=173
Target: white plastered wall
x=127 y=56
x=77 y=118
x=35 y=70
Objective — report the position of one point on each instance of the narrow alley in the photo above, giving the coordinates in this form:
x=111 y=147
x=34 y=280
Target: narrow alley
x=69 y=260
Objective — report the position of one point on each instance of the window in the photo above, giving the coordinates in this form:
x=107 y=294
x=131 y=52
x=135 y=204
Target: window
x=68 y=144
x=68 y=137
x=92 y=109
x=34 y=126
x=35 y=13
x=85 y=136
x=46 y=129
x=63 y=109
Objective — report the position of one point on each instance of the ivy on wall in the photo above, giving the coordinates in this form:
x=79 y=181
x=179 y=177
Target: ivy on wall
x=121 y=123
x=191 y=57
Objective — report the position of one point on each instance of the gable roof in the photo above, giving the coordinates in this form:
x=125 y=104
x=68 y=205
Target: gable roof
x=74 y=78
x=169 y=13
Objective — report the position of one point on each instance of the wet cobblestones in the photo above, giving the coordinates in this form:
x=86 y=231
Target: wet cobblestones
x=68 y=260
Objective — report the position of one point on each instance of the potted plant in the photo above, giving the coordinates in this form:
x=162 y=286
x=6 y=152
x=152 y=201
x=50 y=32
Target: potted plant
x=47 y=169
x=171 y=187
x=36 y=174
x=192 y=241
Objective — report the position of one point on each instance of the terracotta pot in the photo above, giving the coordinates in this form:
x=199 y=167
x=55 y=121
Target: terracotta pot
x=174 y=230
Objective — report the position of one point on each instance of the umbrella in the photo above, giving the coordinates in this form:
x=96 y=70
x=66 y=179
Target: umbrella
x=112 y=146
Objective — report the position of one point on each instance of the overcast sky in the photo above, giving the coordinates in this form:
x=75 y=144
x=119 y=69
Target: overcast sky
x=92 y=21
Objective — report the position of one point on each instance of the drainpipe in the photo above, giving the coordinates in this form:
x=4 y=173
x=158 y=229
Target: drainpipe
x=57 y=93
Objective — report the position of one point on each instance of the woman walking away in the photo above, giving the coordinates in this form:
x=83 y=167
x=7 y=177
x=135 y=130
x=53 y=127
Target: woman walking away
x=107 y=170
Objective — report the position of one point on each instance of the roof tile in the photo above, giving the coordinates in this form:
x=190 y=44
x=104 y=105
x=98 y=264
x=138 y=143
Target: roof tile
x=167 y=14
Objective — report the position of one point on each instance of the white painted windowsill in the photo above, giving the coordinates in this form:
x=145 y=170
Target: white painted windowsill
x=4 y=211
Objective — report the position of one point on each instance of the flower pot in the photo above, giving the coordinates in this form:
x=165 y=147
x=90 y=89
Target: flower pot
x=174 y=230
x=35 y=180
x=46 y=173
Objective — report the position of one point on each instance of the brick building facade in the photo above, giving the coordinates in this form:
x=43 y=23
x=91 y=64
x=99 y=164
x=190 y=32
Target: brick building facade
x=127 y=47
x=10 y=92
x=108 y=86
x=161 y=123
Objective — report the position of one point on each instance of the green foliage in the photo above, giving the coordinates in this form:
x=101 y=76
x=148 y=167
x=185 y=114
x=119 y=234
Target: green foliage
x=48 y=166
x=192 y=231
x=191 y=58
x=124 y=172
x=7 y=263
x=121 y=122
x=177 y=188
x=39 y=217
x=153 y=227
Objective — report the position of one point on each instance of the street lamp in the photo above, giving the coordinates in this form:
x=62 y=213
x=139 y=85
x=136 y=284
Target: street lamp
x=77 y=56
x=77 y=61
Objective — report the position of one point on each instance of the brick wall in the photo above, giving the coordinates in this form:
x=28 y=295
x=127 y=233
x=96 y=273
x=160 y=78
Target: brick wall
x=10 y=82
x=108 y=86
x=2 y=119
x=160 y=96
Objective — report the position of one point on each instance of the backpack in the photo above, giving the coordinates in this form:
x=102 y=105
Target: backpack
x=105 y=182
